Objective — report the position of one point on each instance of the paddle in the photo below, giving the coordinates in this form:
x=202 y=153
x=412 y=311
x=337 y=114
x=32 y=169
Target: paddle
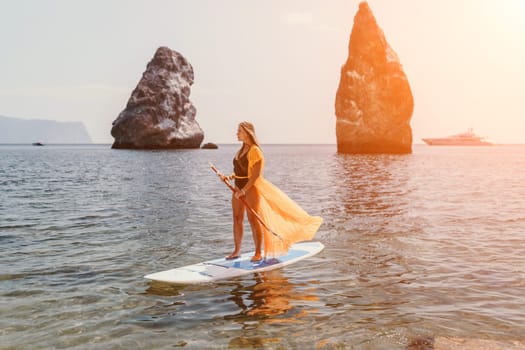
x=223 y=178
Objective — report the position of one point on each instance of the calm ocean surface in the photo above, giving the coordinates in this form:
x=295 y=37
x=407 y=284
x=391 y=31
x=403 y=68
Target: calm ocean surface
x=421 y=246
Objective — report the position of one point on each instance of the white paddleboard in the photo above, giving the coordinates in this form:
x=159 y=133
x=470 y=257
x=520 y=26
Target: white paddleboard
x=218 y=269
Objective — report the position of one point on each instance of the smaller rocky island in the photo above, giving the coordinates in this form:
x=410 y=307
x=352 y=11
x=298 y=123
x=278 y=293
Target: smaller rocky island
x=159 y=113
x=210 y=145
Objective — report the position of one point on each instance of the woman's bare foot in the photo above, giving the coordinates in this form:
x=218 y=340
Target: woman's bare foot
x=232 y=256
x=256 y=257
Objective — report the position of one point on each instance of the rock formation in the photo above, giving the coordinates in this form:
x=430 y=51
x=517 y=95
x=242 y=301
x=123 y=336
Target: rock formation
x=159 y=113
x=373 y=103
x=210 y=145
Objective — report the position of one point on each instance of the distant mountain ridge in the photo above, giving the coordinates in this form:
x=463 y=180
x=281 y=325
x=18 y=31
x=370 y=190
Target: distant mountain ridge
x=17 y=130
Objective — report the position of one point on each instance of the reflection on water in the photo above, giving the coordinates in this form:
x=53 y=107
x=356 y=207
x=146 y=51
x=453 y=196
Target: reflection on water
x=262 y=296
x=270 y=299
x=270 y=295
x=164 y=289
x=371 y=185
x=370 y=193
x=255 y=302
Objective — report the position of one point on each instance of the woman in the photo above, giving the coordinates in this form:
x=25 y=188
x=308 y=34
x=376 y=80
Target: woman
x=288 y=222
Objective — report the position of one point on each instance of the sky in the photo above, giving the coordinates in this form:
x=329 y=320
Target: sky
x=275 y=63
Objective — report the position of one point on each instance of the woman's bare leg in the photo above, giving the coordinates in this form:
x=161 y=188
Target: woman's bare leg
x=238 y=218
x=257 y=236
x=252 y=198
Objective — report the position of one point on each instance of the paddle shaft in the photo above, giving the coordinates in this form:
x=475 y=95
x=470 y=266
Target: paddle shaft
x=244 y=202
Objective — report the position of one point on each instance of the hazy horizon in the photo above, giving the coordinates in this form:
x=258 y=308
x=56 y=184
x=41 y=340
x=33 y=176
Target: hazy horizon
x=275 y=63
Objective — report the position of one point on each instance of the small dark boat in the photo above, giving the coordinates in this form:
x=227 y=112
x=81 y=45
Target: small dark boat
x=38 y=144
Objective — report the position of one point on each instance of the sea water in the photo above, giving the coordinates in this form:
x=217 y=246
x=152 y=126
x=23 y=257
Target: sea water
x=418 y=246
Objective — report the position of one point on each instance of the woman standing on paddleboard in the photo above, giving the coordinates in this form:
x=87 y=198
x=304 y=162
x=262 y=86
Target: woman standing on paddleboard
x=278 y=220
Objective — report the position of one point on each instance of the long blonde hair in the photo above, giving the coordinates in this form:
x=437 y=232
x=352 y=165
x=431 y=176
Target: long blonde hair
x=250 y=130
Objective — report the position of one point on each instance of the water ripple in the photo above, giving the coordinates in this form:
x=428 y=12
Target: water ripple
x=419 y=248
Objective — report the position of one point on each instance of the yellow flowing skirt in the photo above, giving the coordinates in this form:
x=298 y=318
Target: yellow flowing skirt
x=283 y=216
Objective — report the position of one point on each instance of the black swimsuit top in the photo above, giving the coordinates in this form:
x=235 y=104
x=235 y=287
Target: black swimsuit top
x=240 y=168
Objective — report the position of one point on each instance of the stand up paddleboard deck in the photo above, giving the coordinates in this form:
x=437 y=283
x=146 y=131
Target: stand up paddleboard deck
x=218 y=269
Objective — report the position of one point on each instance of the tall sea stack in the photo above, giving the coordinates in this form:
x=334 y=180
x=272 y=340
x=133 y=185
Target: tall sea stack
x=374 y=103
x=159 y=113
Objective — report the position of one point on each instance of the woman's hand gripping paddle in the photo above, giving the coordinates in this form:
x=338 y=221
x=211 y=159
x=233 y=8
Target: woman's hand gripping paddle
x=225 y=180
